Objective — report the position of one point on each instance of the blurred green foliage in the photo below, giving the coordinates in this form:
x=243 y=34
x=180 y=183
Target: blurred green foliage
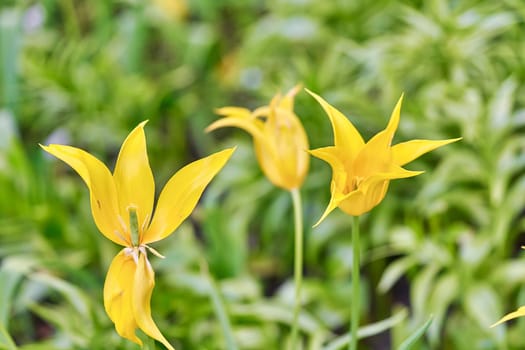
x=445 y=243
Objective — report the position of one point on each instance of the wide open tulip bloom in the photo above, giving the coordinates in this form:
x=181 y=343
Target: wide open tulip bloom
x=361 y=172
x=122 y=207
x=278 y=136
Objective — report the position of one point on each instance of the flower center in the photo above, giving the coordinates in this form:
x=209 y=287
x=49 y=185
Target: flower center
x=136 y=246
x=134 y=252
x=134 y=226
x=355 y=181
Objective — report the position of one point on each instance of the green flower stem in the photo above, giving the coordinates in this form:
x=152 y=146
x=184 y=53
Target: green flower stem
x=298 y=264
x=219 y=308
x=356 y=290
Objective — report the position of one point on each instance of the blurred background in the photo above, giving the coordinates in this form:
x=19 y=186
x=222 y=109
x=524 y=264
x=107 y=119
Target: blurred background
x=446 y=243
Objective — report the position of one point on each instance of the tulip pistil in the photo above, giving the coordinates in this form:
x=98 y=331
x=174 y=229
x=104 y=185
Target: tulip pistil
x=134 y=226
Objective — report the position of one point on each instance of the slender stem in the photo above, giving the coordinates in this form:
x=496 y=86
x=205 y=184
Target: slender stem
x=356 y=290
x=298 y=263
x=219 y=308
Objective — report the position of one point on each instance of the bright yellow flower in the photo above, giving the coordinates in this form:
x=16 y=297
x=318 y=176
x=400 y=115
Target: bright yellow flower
x=279 y=138
x=361 y=172
x=122 y=205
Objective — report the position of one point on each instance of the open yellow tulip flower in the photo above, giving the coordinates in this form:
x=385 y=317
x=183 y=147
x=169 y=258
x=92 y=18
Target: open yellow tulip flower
x=122 y=208
x=279 y=138
x=361 y=172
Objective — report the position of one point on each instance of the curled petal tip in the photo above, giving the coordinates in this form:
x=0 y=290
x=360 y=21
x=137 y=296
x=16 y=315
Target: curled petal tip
x=310 y=91
x=518 y=313
x=295 y=90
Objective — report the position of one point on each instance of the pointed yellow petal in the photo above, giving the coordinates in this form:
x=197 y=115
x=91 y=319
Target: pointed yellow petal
x=102 y=190
x=406 y=152
x=287 y=101
x=359 y=202
x=394 y=120
x=270 y=163
x=518 y=313
x=181 y=194
x=335 y=200
x=339 y=177
x=393 y=172
x=346 y=136
x=134 y=179
x=238 y=112
x=252 y=125
x=372 y=191
x=376 y=155
x=282 y=150
x=142 y=290
x=331 y=156
x=118 y=295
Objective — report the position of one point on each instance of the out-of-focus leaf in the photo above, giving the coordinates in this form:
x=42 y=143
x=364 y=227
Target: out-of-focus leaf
x=9 y=281
x=445 y=290
x=394 y=271
x=422 y=286
x=501 y=106
x=269 y=311
x=508 y=275
x=414 y=337
x=368 y=330
x=10 y=43
x=6 y=342
x=483 y=305
x=74 y=295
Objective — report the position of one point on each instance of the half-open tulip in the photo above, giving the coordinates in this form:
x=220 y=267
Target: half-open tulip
x=122 y=208
x=279 y=138
x=361 y=172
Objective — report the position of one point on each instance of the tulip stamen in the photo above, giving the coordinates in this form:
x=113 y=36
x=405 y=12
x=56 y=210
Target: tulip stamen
x=154 y=252
x=121 y=236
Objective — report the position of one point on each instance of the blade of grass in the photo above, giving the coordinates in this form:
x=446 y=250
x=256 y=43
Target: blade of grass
x=368 y=330
x=409 y=342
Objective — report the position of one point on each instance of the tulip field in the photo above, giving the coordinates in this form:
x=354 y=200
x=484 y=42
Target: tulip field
x=283 y=174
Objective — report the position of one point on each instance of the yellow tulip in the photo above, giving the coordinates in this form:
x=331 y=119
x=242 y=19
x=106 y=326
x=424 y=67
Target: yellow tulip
x=361 y=172
x=279 y=138
x=122 y=206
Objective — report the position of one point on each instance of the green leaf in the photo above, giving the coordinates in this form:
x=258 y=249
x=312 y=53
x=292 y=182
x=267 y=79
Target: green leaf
x=368 y=330
x=414 y=337
x=73 y=294
x=394 y=272
x=9 y=281
x=6 y=342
